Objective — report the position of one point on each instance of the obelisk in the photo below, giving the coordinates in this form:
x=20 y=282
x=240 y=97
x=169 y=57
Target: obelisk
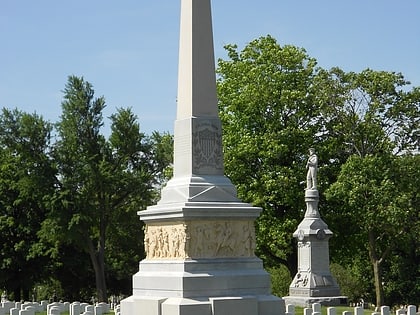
x=313 y=282
x=200 y=237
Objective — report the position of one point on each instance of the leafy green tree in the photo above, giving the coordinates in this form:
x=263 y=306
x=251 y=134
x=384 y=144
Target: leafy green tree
x=375 y=118
x=26 y=180
x=101 y=183
x=269 y=121
x=163 y=148
x=368 y=112
x=275 y=104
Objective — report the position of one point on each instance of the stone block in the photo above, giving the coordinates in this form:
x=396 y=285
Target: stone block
x=43 y=305
x=234 y=305
x=83 y=307
x=56 y=305
x=316 y=307
x=385 y=310
x=307 y=311
x=290 y=308
x=271 y=305
x=105 y=307
x=411 y=310
x=358 y=310
x=66 y=307
x=147 y=305
x=182 y=306
x=90 y=308
x=75 y=308
x=54 y=310
x=7 y=305
x=31 y=309
x=331 y=311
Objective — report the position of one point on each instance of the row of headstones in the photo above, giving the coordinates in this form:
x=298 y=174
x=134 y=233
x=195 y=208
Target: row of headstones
x=77 y=308
x=26 y=308
x=56 y=308
x=358 y=310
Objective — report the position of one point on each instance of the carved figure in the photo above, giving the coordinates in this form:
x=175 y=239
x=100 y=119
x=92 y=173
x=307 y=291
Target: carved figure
x=312 y=167
x=249 y=243
x=225 y=241
x=202 y=239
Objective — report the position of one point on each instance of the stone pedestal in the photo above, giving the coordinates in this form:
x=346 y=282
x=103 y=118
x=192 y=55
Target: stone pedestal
x=200 y=260
x=200 y=237
x=313 y=282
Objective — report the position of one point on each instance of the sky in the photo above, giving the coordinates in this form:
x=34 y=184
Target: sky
x=128 y=50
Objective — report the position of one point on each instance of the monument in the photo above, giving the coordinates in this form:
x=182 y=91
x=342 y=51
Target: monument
x=200 y=237
x=313 y=282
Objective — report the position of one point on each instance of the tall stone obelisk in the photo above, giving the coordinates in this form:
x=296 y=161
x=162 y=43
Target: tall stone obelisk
x=200 y=237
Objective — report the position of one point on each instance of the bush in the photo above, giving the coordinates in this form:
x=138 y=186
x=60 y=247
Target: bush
x=349 y=283
x=280 y=280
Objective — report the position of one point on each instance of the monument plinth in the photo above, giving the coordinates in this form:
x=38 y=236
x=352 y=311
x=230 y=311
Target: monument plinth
x=199 y=238
x=313 y=282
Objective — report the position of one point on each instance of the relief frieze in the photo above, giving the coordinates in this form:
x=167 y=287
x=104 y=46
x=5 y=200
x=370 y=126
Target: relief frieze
x=200 y=239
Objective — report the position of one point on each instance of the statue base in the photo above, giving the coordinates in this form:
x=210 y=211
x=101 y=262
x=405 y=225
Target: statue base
x=203 y=286
x=307 y=301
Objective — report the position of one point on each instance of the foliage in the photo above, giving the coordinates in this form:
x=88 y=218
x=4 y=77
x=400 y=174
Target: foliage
x=101 y=185
x=280 y=280
x=26 y=177
x=266 y=107
x=369 y=188
x=275 y=104
x=349 y=281
x=68 y=209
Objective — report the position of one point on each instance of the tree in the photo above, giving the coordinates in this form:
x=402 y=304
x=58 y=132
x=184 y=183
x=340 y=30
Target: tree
x=101 y=183
x=163 y=148
x=368 y=112
x=269 y=122
x=375 y=119
x=26 y=180
x=275 y=104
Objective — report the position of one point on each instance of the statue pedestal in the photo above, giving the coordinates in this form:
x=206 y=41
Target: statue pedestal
x=200 y=260
x=313 y=281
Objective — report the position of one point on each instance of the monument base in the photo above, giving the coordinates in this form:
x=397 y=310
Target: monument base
x=233 y=305
x=307 y=301
x=204 y=286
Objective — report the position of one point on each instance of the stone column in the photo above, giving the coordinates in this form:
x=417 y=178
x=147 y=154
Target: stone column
x=199 y=238
x=313 y=282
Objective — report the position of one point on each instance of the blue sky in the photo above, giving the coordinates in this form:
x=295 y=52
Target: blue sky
x=128 y=49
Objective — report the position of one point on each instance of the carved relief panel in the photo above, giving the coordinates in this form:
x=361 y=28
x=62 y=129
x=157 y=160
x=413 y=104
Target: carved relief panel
x=207 y=146
x=200 y=239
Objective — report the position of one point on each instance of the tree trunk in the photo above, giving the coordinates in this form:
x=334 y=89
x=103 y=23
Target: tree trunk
x=17 y=294
x=377 y=273
x=377 y=270
x=98 y=262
